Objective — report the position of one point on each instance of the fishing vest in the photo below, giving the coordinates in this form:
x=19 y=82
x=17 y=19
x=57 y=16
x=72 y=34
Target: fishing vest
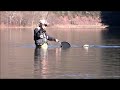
x=42 y=37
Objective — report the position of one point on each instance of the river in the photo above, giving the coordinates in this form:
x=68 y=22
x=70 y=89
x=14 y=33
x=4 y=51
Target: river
x=19 y=59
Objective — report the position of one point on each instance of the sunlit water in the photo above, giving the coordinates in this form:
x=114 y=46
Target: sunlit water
x=20 y=59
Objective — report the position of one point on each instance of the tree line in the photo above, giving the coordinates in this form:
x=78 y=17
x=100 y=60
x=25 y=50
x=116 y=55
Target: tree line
x=30 y=18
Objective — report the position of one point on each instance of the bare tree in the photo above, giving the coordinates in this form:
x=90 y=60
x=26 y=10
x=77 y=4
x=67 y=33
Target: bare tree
x=31 y=18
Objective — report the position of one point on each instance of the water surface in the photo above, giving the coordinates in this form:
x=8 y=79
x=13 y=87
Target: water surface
x=20 y=59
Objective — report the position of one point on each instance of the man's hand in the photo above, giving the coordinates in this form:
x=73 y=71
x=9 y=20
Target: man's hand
x=56 y=40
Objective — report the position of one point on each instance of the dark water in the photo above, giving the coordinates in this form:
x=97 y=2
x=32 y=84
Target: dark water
x=20 y=59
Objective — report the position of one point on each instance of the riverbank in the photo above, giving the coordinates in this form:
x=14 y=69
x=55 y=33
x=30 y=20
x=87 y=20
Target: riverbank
x=59 y=26
x=78 y=26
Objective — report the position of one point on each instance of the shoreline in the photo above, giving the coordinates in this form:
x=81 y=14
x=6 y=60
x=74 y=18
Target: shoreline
x=78 y=26
x=59 y=26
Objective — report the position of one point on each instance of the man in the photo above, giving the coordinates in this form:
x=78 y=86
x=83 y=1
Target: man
x=40 y=36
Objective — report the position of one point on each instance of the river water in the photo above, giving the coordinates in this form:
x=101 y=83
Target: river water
x=20 y=59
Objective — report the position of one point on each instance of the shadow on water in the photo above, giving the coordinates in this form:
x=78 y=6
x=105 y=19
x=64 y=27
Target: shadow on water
x=111 y=57
x=111 y=36
x=111 y=62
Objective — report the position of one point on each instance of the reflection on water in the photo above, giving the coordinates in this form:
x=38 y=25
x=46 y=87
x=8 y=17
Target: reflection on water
x=20 y=59
x=40 y=61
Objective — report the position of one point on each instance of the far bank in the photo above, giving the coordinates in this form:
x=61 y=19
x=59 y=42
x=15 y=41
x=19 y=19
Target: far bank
x=58 y=26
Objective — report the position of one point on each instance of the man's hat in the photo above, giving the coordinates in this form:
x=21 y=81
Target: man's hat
x=44 y=22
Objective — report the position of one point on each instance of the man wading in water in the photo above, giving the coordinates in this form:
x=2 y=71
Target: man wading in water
x=40 y=36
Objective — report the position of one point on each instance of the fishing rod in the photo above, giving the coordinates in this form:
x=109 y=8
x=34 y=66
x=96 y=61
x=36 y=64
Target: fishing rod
x=63 y=44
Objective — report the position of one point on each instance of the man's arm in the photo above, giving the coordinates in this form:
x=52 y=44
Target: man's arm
x=51 y=38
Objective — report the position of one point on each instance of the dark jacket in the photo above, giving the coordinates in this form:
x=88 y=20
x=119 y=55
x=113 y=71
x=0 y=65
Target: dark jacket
x=41 y=37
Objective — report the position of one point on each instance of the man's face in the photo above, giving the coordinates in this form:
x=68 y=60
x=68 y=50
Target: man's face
x=44 y=26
